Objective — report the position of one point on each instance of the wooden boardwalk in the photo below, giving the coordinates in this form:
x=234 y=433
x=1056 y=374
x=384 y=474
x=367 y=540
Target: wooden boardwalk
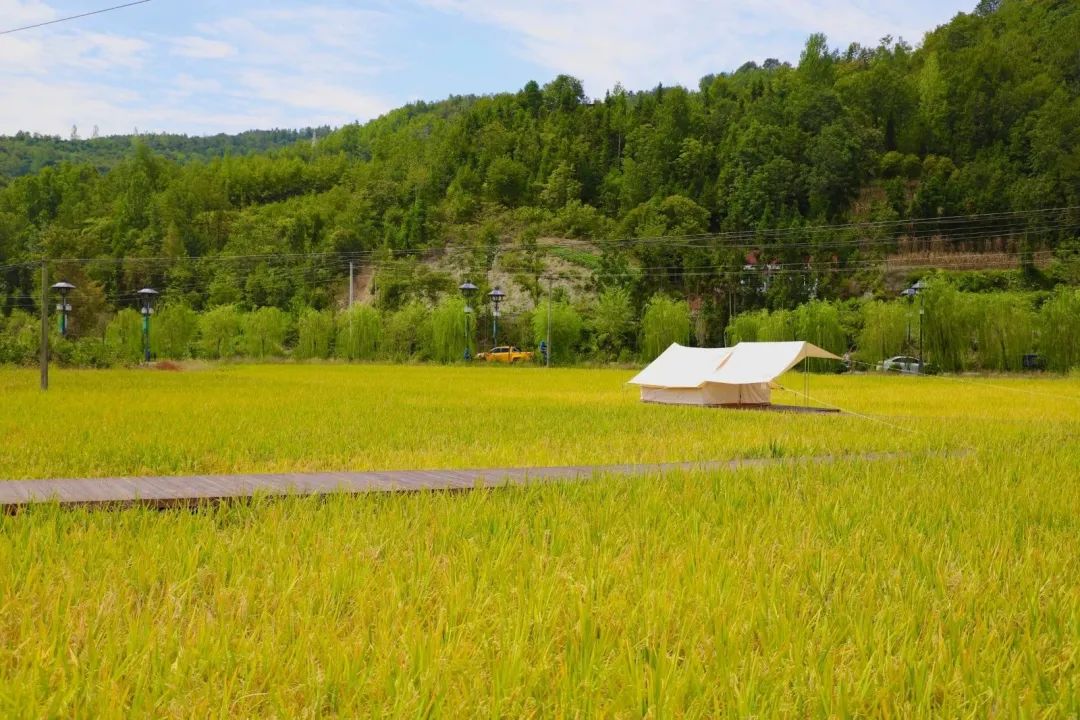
x=193 y=490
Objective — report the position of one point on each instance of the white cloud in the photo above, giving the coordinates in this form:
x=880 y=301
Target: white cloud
x=281 y=63
x=332 y=102
x=19 y=13
x=642 y=42
x=268 y=67
x=53 y=107
x=201 y=48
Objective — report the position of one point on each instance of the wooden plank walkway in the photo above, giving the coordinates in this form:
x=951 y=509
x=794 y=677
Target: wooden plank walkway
x=192 y=490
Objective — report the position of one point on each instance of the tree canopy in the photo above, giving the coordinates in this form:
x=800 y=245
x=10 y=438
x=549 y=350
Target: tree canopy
x=983 y=117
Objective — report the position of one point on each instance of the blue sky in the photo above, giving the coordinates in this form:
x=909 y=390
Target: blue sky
x=200 y=67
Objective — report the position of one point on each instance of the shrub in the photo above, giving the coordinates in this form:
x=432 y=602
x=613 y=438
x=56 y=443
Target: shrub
x=19 y=338
x=82 y=352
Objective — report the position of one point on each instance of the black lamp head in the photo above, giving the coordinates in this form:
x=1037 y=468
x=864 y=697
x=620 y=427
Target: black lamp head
x=63 y=287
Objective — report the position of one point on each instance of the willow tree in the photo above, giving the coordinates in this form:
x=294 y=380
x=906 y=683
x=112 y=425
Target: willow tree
x=173 y=331
x=566 y=327
x=359 y=330
x=1059 y=329
x=885 y=329
x=947 y=333
x=450 y=334
x=665 y=321
x=124 y=335
x=745 y=327
x=263 y=332
x=315 y=330
x=219 y=332
x=1004 y=326
x=777 y=326
x=407 y=333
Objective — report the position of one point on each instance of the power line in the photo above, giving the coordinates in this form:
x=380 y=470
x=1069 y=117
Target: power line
x=72 y=17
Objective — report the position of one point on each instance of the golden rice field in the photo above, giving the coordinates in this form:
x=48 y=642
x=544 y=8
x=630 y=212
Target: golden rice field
x=939 y=584
x=267 y=418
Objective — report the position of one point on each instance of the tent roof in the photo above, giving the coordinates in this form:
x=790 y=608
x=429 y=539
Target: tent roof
x=757 y=362
x=745 y=364
x=681 y=367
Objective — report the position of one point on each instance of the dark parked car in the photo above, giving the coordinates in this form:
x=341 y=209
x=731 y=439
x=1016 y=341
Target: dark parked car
x=1034 y=361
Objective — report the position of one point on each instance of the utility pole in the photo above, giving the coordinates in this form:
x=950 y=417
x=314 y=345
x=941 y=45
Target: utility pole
x=547 y=356
x=44 y=326
x=921 y=310
x=350 y=284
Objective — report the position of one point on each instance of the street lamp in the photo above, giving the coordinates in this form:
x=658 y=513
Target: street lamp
x=63 y=306
x=146 y=301
x=467 y=291
x=910 y=293
x=496 y=296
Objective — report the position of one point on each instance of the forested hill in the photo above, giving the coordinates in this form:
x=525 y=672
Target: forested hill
x=26 y=152
x=982 y=118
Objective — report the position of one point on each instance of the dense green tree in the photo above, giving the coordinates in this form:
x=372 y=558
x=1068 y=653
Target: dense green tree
x=981 y=118
x=612 y=322
x=506 y=181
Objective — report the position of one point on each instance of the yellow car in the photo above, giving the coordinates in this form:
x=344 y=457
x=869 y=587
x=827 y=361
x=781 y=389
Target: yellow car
x=505 y=354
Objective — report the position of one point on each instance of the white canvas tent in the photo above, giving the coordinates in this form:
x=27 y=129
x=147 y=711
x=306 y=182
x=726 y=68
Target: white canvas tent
x=740 y=375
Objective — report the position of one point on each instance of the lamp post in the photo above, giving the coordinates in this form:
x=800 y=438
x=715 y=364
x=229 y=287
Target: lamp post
x=467 y=291
x=910 y=294
x=146 y=301
x=63 y=307
x=497 y=297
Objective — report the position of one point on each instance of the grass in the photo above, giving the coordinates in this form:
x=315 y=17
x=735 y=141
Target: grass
x=578 y=256
x=927 y=586
x=266 y=418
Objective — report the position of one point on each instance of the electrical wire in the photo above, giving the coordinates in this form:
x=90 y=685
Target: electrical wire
x=73 y=17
